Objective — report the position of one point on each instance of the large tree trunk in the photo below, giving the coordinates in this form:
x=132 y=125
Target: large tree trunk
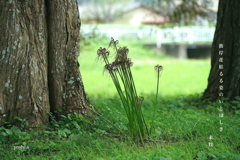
x=65 y=84
x=39 y=71
x=227 y=33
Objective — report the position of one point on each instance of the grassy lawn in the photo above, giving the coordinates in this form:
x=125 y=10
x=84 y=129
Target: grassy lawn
x=182 y=128
x=178 y=78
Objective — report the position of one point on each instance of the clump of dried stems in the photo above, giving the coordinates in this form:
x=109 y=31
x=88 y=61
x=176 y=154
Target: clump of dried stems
x=121 y=75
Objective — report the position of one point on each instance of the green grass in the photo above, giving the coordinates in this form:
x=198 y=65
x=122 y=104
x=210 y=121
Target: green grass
x=183 y=122
x=182 y=132
x=178 y=77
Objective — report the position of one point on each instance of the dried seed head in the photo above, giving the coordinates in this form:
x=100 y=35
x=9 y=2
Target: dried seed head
x=129 y=62
x=113 y=43
x=116 y=42
x=108 y=67
x=158 y=67
x=102 y=53
x=116 y=64
x=122 y=53
x=126 y=50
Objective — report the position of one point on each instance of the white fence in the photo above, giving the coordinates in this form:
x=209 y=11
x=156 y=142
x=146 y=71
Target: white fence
x=187 y=35
x=122 y=31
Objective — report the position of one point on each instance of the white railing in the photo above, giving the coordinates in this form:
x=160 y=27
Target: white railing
x=120 y=32
x=188 y=35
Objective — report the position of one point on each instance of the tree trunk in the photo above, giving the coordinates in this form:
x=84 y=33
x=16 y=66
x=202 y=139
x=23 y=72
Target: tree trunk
x=65 y=84
x=228 y=34
x=39 y=71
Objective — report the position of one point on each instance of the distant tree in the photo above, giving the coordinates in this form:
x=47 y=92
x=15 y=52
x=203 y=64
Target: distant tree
x=178 y=12
x=183 y=11
x=39 y=70
x=103 y=11
x=224 y=76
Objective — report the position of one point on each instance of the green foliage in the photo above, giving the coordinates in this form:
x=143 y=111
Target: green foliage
x=183 y=126
x=236 y=105
x=24 y=122
x=67 y=125
x=11 y=134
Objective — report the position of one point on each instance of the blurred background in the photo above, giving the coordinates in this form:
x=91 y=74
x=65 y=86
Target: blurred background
x=176 y=34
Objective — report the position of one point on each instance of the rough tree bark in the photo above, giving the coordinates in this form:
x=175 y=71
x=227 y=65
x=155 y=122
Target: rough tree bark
x=39 y=71
x=227 y=33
